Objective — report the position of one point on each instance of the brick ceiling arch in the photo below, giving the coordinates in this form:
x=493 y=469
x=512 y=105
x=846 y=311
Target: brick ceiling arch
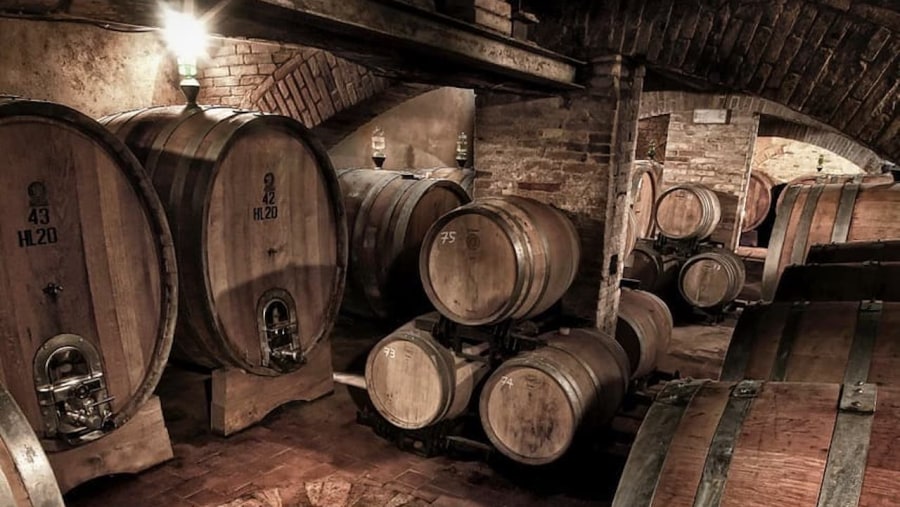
x=330 y=95
x=776 y=120
x=836 y=61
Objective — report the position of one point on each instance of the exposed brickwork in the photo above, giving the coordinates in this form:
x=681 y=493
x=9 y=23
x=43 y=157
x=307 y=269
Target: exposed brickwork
x=717 y=156
x=785 y=159
x=653 y=131
x=574 y=152
x=836 y=62
x=309 y=85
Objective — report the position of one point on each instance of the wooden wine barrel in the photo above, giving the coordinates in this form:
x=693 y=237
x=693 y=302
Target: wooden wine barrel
x=26 y=479
x=631 y=232
x=414 y=381
x=259 y=230
x=822 y=341
x=498 y=258
x=465 y=178
x=823 y=179
x=851 y=281
x=655 y=271
x=857 y=251
x=712 y=278
x=819 y=214
x=764 y=444
x=644 y=192
x=758 y=201
x=88 y=274
x=688 y=211
x=534 y=404
x=643 y=329
x=388 y=215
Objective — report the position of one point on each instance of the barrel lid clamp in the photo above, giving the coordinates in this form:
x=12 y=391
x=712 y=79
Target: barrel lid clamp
x=858 y=398
x=679 y=392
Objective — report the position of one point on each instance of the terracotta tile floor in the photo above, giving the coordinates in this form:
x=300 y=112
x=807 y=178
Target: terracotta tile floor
x=316 y=454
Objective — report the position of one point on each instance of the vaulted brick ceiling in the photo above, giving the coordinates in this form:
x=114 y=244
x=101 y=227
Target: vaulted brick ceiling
x=837 y=61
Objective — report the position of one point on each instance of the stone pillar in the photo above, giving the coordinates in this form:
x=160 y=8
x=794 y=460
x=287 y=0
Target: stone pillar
x=574 y=152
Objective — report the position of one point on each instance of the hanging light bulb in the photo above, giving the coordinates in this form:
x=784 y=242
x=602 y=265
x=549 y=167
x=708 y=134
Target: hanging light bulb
x=379 y=145
x=462 y=150
x=186 y=37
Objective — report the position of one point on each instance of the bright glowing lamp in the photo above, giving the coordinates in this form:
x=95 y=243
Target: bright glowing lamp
x=186 y=37
x=462 y=150
x=378 y=147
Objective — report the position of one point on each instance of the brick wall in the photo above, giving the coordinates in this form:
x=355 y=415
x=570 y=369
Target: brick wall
x=574 y=152
x=653 y=131
x=717 y=156
x=786 y=159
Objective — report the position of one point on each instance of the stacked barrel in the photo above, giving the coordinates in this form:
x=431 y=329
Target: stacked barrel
x=680 y=266
x=487 y=265
x=809 y=384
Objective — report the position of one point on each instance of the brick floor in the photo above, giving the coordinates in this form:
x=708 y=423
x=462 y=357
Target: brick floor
x=316 y=454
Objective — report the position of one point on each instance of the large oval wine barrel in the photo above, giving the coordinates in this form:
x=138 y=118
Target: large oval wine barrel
x=498 y=258
x=688 y=211
x=388 y=215
x=414 y=381
x=643 y=328
x=644 y=192
x=823 y=341
x=823 y=179
x=758 y=201
x=764 y=444
x=26 y=479
x=819 y=214
x=465 y=178
x=655 y=271
x=534 y=404
x=857 y=251
x=259 y=230
x=711 y=279
x=87 y=274
x=850 y=281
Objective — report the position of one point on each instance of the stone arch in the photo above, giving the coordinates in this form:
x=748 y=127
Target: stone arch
x=835 y=62
x=775 y=120
x=331 y=95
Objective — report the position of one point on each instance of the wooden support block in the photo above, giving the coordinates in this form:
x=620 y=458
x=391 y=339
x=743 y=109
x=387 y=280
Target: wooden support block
x=139 y=444
x=241 y=399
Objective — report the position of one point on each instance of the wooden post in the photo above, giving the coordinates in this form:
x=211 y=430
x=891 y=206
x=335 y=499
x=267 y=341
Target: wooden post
x=137 y=445
x=241 y=399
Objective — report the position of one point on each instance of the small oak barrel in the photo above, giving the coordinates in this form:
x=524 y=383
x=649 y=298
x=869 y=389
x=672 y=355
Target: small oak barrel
x=414 y=381
x=758 y=201
x=498 y=258
x=857 y=251
x=822 y=341
x=764 y=444
x=533 y=405
x=644 y=328
x=644 y=191
x=388 y=214
x=655 y=271
x=688 y=211
x=712 y=278
x=465 y=178
x=259 y=230
x=88 y=274
x=26 y=479
x=822 y=179
x=833 y=213
x=840 y=282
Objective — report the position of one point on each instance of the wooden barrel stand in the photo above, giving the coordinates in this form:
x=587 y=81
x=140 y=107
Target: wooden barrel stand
x=261 y=238
x=90 y=291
